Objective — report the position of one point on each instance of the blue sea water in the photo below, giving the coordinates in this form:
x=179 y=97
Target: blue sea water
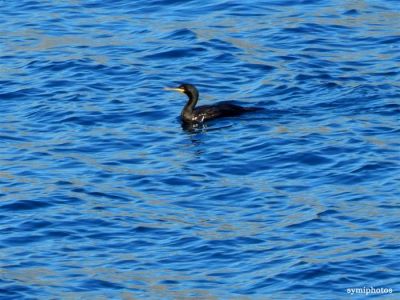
x=103 y=194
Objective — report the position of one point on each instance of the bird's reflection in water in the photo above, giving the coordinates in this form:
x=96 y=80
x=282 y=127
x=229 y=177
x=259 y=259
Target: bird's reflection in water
x=194 y=127
x=201 y=127
x=197 y=134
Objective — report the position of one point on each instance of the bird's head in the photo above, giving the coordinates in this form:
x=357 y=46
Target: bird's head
x=186 y=88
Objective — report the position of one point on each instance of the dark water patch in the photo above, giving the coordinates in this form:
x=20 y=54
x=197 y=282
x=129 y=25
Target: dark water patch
x=84 y=121
x=182 y=35
x=375 y=167
x=261 y=67
x=113 y=196
x=174 y=54
x=328 y=212
x=100 y=284
x=16 y=291
x=25 y=205
x=6 y=138
x=351 y=12
x=176 y=181
x=22 y=240
x=20 y=94
x=391 y=40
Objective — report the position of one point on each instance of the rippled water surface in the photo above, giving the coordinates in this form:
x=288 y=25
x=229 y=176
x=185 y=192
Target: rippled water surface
x=103 y=194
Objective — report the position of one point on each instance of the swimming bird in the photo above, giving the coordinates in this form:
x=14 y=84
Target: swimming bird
x=192 y=114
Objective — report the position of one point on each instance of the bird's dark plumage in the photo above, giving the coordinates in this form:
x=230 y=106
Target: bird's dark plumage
x=193 y=114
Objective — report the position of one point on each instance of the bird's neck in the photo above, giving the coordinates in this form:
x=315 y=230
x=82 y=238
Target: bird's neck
x=187 y=111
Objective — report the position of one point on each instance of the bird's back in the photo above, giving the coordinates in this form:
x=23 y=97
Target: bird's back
x=219 y=110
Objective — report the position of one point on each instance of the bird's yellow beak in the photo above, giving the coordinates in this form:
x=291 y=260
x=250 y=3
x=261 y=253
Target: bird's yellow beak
x=180 y=90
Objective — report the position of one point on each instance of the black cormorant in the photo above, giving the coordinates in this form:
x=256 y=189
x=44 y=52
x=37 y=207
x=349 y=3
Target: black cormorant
x=192 y=114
